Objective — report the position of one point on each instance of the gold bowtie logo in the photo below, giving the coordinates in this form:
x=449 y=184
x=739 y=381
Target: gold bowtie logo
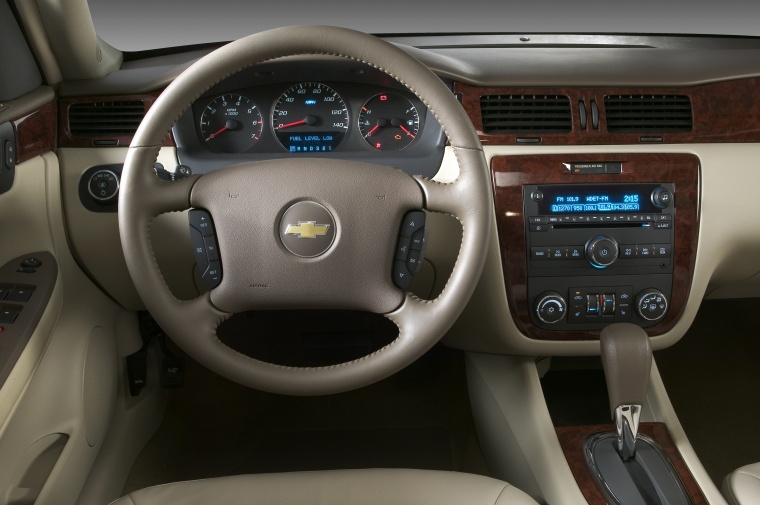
x=307 y=229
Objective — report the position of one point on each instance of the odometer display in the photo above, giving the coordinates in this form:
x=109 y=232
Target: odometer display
x=310 y=117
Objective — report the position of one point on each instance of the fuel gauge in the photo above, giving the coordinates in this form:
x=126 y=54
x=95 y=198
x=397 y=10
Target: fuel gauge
x=389 y=122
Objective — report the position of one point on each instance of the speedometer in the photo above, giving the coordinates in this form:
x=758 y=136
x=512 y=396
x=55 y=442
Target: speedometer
x=310 y=117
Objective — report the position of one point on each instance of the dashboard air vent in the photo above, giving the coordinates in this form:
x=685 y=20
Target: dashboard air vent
x=525 y=114
x=648 y=113
x=105 y=119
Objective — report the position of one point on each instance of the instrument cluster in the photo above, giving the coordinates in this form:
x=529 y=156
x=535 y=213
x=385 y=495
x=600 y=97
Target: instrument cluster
x=309 y=117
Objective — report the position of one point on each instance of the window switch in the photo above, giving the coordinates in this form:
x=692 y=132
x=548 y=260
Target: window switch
x=20 y=294
x=8 y=316
x=4 y=290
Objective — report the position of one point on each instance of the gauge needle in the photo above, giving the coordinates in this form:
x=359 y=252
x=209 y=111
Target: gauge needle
x=217 y=133
x=372 y=130
x=294 y=123
x=406 y=131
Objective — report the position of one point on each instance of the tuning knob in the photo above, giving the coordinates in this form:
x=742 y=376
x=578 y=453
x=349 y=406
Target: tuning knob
x=550 y=307
x=601 y=251
x=651 y=304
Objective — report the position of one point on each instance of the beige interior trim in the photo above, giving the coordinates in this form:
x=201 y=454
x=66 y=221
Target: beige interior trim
x=14 y=109
x=38 y=39
x=336 y=487
x=80 y=53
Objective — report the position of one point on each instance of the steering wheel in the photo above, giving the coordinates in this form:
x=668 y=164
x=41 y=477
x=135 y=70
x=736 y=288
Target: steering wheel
x=247 y=203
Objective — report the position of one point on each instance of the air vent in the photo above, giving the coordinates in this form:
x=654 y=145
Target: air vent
x=648 y=113
x=525 y=114
x=105 y=119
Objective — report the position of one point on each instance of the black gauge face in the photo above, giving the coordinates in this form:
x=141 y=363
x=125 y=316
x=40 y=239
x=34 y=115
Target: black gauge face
x=231 y=124
x=389 y=122
x=310 y=117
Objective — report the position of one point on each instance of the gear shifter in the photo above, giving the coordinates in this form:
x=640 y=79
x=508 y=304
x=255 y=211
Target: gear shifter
x=627 y=360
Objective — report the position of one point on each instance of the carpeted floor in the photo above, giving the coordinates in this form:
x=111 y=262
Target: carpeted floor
x=419 y=418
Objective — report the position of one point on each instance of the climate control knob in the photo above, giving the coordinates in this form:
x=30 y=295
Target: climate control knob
x=651 y=304
x=601 y=251
x=550 y=307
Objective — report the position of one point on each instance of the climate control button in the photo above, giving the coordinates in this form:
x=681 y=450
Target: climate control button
x=601 y=251
x=550 y=307
x=651 y=304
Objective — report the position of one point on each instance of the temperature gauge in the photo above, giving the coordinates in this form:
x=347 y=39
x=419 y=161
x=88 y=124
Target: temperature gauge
x=389 y=122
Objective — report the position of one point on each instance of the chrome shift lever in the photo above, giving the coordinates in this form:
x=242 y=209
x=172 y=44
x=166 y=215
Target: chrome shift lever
x=627 y=361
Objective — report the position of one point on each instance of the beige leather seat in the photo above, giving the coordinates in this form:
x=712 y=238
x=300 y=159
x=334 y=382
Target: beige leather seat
x=742 y=486
x=338 y=487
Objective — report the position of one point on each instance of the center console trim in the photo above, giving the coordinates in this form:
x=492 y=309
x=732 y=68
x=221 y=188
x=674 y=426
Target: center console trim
x=510 y=173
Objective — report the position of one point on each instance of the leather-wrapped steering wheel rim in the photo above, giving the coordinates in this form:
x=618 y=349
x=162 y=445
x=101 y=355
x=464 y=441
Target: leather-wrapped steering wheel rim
x=192 y=324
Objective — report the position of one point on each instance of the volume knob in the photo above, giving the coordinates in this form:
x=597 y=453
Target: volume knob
x=601 y=251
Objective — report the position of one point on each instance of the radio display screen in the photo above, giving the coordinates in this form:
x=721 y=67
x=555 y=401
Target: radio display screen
x=597 y=199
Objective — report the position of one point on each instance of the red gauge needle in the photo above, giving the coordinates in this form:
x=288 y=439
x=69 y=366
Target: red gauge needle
x=406 y=131
x=217 y=133
x=294 y=123
x=372 y=131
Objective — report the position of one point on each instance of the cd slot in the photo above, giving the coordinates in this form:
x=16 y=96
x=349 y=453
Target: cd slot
x=601 y=225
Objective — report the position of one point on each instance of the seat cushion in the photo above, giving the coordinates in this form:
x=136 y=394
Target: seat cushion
x=742 y=486
x=337 y=487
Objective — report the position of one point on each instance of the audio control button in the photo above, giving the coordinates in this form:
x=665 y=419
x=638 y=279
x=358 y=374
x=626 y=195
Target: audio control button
x=557 y=253
x=662 y=250
x=646 y=251
x=575 y=253
x=539 y=253
x=601 y=251
x=628 y=251
x=662 y=198
x=550 y=307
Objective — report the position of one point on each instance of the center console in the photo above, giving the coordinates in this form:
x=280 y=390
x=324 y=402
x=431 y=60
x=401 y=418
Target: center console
x=589 y=240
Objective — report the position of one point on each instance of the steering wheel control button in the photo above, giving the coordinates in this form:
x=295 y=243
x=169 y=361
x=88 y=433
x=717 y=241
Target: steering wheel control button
x=31 y=263
x=651 y=304
x=413 y=221
x=205 y=248
x=307 y=229
x=662 y=198
x=410 y=251
x=550 y=307
x=601 y=251
x=402 y=277
x=103 y=186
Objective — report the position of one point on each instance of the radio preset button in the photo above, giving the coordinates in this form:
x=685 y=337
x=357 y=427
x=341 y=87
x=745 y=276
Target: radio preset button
x=628 y=251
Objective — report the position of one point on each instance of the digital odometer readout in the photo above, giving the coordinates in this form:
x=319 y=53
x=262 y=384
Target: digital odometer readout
x=570 y=203
x=596 y=198
x=309 y=142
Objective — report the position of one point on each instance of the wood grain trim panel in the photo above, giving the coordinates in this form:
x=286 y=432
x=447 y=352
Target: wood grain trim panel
x=66 y=139
x=510 y=173
x=723 y=112
x=35 y=133
x=571 y=439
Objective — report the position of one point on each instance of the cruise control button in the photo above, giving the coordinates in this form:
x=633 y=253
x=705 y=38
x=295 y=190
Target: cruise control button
x=201 y=221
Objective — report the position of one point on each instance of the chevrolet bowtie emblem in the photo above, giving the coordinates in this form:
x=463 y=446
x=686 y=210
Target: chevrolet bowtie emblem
x=307 y=229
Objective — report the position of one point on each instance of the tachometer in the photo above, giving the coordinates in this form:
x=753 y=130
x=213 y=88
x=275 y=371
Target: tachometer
x=310 y=117
x=389 y=122
x=231 y=124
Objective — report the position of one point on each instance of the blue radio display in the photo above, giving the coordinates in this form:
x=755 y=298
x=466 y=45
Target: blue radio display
x=595 y=198
x=569 y=203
